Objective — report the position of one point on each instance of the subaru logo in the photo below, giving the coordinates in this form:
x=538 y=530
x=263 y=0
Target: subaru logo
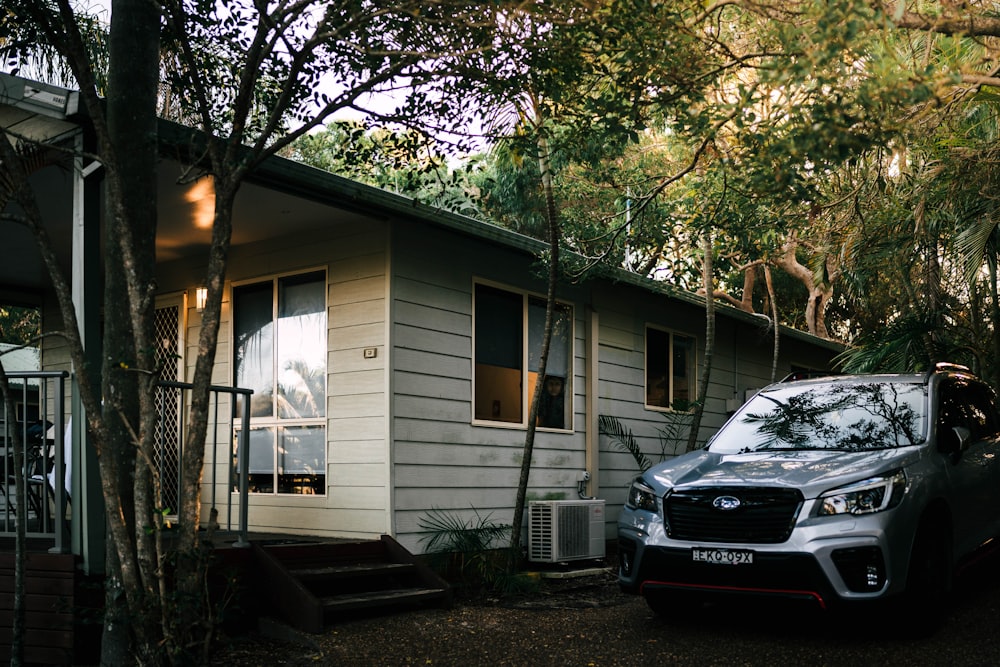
x=726 y=503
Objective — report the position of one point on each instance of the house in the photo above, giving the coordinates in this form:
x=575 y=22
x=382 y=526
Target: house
x=391 y=347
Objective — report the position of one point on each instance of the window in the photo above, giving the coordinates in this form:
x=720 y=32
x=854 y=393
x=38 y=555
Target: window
x=279 y=351
x=967 y=405
x=508 y=342
x=670 y=369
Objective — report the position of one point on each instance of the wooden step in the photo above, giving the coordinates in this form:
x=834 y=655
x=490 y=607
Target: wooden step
x=355 y=570
x=384 y=598
x=305 y=584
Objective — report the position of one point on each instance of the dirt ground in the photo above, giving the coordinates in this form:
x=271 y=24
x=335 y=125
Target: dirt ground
x=484 y=630
x=587 y=621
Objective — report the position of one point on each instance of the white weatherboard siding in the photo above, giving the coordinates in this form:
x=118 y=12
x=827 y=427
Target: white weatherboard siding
x=742 y=360
x=401 y=444
x=441 y=461
x=356 y=503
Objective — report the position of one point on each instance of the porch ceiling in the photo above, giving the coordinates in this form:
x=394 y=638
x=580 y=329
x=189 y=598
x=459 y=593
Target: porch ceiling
x=260 y=212
x=183 y=230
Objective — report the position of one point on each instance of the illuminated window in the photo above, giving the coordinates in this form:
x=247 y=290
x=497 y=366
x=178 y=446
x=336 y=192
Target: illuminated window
x=279 y=351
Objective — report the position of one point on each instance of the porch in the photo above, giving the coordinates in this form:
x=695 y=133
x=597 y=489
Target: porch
x=51 y=441
x=50 y=486
x=303 y=581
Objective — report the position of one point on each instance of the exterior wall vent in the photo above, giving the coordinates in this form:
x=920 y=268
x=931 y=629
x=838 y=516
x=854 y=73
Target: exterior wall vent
x=564 y=530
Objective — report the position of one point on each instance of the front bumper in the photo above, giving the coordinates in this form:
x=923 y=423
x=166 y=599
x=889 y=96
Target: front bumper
x=815 y=564
x=796 y=576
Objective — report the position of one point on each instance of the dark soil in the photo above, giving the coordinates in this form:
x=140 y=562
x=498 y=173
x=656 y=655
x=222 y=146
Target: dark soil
x=483 y=629
x=587 y=621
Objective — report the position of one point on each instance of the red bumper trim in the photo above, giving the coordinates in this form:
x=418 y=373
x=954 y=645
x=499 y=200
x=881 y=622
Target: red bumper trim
x=780 y=592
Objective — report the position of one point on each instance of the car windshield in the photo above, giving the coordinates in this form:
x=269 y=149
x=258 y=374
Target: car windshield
x=836 y=416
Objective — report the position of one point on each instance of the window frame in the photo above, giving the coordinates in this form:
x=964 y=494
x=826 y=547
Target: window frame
x=692 y=374
x=275 y=422
x=525 y=369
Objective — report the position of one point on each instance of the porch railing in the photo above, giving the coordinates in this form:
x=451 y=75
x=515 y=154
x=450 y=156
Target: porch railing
x=46 y=441
x=38 y=417
x=222 y=468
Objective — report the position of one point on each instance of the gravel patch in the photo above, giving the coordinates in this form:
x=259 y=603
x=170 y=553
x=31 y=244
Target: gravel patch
x=587 y=621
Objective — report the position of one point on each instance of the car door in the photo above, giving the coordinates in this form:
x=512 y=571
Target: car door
x=974 y=472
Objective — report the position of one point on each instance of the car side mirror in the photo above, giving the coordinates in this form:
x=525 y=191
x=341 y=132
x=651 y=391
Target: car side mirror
x=954 y=441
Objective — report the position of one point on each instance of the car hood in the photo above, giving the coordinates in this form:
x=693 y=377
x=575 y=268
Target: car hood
x=812 y=471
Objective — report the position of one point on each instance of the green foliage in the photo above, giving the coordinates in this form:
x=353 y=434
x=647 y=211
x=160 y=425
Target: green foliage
x=897 y=349
x=19 y=326
x=671 y=436
x=26 y=51
x=406 y=162
x=622 y=437
x=466 y=552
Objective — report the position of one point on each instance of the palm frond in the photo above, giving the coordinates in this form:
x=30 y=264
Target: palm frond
x=622 y=438
x=972 y=243
x=896 y=348
x=449 y=532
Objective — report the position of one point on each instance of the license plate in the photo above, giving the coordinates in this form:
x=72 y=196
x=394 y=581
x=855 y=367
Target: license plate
x=722 y=556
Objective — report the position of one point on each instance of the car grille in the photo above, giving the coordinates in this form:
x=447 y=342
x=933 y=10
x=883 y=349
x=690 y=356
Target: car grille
x=764 y=515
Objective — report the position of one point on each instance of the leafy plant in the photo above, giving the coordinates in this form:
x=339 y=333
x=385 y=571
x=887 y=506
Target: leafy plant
x=465 y=552
x=621 y=436
x=669 y=435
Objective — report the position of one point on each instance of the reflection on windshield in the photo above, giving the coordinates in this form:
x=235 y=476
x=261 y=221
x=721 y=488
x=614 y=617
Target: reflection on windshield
x=848 y=417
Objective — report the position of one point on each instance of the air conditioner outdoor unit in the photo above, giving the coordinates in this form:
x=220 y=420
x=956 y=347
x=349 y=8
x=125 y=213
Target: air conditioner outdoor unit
x=562 y=530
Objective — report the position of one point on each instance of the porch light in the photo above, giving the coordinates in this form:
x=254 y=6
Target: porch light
x=200 y=297
x=201 y=196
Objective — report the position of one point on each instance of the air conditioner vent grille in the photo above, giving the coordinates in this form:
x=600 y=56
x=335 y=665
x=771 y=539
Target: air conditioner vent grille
x=562 y=530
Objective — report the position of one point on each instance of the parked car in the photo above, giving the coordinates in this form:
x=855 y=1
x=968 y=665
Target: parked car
x=830 y=490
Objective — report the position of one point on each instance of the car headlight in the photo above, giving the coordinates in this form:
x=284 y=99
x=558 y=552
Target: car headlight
x=641 y=496
x=874 y=494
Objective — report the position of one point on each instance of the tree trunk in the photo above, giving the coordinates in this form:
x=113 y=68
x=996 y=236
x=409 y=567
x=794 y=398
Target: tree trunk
x=20 y=518
x=819 y=293
x=552 y=217
x=745 y=302
x=128 y=372
x=706 y=368
x=774 y=322
x=749 y=280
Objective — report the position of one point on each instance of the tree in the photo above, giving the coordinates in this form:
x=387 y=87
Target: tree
x=250 y=77
x=19 y=325
x=408 y=162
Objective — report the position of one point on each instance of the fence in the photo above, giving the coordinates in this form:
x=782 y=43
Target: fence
x=39 y=418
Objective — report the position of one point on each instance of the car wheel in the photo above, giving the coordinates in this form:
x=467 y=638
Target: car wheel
x=928 y=582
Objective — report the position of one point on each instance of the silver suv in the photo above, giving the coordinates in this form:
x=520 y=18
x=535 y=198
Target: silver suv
x=835 y=489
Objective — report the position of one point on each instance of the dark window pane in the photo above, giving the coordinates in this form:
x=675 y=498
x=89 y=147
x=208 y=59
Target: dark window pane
x=657 y=373
x=253 y=331
x=683 y=373
x=499 y=355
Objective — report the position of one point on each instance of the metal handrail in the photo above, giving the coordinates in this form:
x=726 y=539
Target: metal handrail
x=242 y=451
x=56 y=527
x=51 y=412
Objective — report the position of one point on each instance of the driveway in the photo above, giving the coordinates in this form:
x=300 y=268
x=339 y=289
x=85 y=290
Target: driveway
x=587 y=622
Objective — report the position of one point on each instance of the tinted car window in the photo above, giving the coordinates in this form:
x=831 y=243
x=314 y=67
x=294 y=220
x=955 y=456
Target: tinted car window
x=968 y=405
x=845 y=417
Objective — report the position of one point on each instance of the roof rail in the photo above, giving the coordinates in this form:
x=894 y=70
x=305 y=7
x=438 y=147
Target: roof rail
x=806 y=375
x=947 y=366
